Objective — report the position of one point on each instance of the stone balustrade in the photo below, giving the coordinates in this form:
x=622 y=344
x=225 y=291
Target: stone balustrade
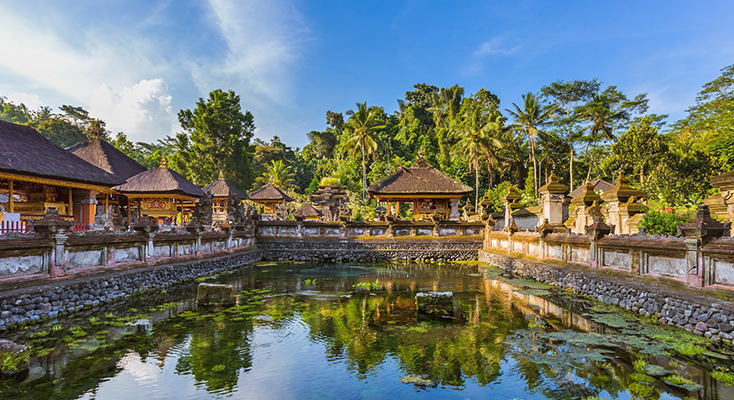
x=398 y=228
x=60 y=253
x=702 y=257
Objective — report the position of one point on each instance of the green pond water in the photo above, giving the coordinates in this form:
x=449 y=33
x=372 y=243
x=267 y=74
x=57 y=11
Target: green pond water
x=350 y=331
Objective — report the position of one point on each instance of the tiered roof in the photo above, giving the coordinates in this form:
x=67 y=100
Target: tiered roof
x=418 y=181
x=24 y=151
x=106 y=157
x=160 y=180
x=269 y=193
x=222 y=188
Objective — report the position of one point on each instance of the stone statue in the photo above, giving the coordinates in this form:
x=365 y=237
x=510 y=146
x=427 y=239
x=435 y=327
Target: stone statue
x=203 y=210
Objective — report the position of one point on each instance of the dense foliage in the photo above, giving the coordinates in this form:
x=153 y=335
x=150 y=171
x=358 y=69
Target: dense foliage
x=580 y=129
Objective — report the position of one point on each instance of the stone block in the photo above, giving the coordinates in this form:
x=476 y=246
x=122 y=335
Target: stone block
x=14 y=358
x=213 y=293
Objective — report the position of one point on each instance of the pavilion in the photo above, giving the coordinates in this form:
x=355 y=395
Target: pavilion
x=431 y=192
x=221 y=191
x=106 y=157
x=270 y=197
x=155 y=192
x=35 y=174
x=310 y=213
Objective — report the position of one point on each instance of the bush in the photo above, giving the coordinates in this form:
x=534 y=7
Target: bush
x=664 y=221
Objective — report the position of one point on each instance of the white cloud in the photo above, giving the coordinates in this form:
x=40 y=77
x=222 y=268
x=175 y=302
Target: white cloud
x=143 y=111
x=31 y=101
x=263 y=43
x=495 y=46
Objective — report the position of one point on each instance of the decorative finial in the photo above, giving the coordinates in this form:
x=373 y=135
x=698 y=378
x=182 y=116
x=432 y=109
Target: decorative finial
x=164 y=162
x=221 y=174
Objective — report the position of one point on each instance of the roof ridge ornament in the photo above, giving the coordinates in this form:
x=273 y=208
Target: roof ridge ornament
x=164 y=162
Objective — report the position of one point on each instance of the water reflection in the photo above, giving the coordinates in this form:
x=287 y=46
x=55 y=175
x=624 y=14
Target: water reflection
x=305 y=331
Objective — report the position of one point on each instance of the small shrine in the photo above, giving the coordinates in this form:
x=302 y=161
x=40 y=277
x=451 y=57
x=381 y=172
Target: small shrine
x=226 y=198
x=270 y=197
x=586 y=207
x=309 y=213
x=162 y=194
x=433 y=195
x=622 y=209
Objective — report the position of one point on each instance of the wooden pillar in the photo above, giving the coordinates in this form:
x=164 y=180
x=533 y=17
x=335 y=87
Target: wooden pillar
x=11 y=206
x=70 y=210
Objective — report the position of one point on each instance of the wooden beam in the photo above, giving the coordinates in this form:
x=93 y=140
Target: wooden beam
x=10 y=196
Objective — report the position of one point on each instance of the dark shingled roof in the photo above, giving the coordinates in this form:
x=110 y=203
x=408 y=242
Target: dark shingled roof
x=269 y=193
x=25 y=151
x=222 y=188
x=159 y=180
x=309 y=211
x=598 y=184
x=417 y=181
x=105 y=156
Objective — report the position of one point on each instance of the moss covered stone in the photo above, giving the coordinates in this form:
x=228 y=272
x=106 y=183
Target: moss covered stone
x=14 y=357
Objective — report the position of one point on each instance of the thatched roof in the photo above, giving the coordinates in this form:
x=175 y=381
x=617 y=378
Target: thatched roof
x=269 y=193
x=598 y=185
x=418 y=181
x=106 y=157
x=309 y=211
x=25 y=151
x=222 y=188
x=160 y=180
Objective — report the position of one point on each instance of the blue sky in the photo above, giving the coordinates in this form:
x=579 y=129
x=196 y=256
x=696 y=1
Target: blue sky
x=136 y=63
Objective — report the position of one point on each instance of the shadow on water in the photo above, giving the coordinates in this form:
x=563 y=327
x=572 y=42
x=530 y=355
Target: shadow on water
x=357 y=331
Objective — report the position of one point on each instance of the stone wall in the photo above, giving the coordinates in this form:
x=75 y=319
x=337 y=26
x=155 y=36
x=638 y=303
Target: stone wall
x=32 y=256
x=369 y=249
x=353 y=229
x=25 y=305
x=694 y=313
x=700 y=262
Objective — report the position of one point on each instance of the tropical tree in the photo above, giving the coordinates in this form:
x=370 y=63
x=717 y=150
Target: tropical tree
x=360 y=127
x=277 y=174
x=218 y=138
x=475 y=137
x=531 y=120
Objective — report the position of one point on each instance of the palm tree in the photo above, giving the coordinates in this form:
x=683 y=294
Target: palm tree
x=278 y=174
x=530 y=121
x=600 y=113
x=475 y=139
x=360 y=126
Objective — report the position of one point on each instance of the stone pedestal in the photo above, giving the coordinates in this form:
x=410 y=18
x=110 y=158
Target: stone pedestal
x=553 y=194
x=621 y=205
x=511 y=203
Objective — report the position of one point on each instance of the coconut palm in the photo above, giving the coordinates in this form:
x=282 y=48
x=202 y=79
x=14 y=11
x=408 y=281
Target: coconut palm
x=360 y=128
x=530 y=121
x=475 y=138
x=277 y=174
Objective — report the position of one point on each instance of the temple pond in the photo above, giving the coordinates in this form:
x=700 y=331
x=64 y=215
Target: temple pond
x=348 y=331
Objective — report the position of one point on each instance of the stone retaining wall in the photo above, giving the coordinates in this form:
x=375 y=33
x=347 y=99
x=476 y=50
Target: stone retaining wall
x=698 y=314
x=37 y=302
x=369 y=250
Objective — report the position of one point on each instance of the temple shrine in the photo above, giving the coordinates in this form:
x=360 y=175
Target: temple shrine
x=433 y=195
x=162 y=194
x=225 y=197
x=35 y=174
x=270 y=197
